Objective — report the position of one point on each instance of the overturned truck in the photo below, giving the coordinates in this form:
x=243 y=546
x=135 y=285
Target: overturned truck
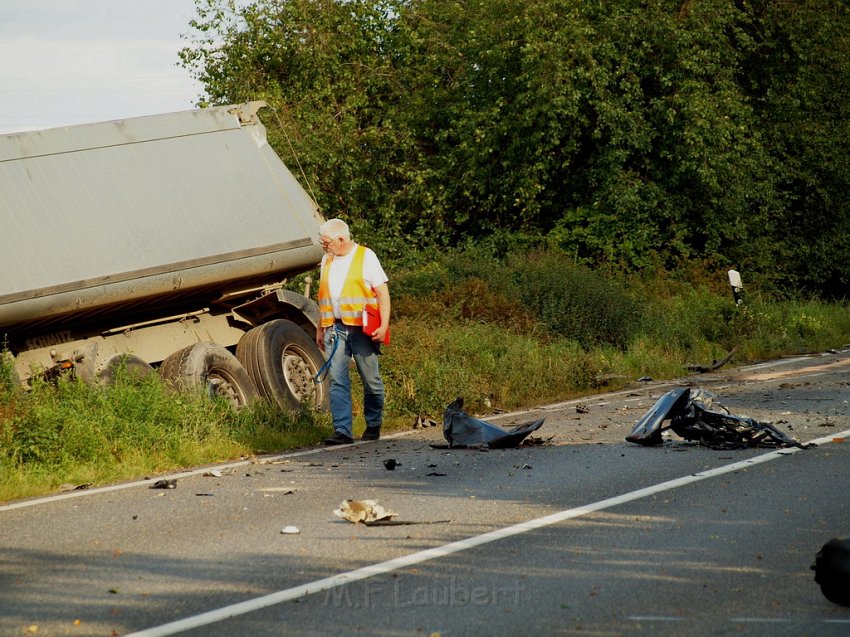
x=160 y=242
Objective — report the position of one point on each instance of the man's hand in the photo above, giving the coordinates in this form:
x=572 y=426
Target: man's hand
x=380 y=333
x=383 y=294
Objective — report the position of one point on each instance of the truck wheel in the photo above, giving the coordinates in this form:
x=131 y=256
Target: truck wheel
x=134 y=368
x=213 y=367
x=282 y=359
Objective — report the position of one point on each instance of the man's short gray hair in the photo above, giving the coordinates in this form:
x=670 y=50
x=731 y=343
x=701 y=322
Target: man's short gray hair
x=334 y=229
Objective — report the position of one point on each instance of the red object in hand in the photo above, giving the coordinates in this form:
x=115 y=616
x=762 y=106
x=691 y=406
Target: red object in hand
x=372 y=321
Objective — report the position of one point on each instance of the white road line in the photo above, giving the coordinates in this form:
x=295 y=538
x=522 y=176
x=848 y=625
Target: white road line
x=310 y=588
x=242 y=463
x=183 y=474
x=786 y=361
x=652 y=618
x=137 y=483
x=760 y=620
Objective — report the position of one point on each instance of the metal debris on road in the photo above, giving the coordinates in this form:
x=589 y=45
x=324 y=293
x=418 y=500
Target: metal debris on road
x=422 y=421
x=462 y=430
x=370 y=513
x=164 y=484
x=364 y=511
x=696 y=415
x=832 y=571
x=65 y=487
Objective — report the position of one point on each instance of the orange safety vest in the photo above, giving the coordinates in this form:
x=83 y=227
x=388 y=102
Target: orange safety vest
x=355 y=296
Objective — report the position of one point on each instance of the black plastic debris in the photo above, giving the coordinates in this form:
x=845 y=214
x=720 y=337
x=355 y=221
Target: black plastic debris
x=391 y=464
x=422 y=421
x=715 y=364
x=695 y=415
x=832 y=571
x=74 y=487
x=462 y=430
x=164 y=484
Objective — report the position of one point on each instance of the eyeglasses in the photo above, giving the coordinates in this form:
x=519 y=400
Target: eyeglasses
x=326 y=242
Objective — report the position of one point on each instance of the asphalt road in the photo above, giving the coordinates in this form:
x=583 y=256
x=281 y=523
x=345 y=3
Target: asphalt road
x=586 y=534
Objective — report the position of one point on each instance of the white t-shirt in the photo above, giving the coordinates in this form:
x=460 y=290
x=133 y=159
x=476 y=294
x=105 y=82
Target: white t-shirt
x=373 y=273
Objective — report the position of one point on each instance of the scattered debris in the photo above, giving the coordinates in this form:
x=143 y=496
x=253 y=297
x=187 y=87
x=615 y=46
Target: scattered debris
x=533 y=441
x=715 y=364
x=691 y=417
x=581 y=408
x=832 y=571
x=63 y=488
x=391 y=464
x=364 y=511
x=645 y=379
x=215 y=473
x=208 y=495
x=422 y=421
x=462 y=430
x=370 y=513
x=290 y=530
x=164 y=484
x=435 y=473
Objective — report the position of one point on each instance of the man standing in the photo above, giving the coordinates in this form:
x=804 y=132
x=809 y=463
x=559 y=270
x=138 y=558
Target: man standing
x=351 y=279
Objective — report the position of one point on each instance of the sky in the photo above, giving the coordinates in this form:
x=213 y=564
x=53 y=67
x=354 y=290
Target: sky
x=66 y=62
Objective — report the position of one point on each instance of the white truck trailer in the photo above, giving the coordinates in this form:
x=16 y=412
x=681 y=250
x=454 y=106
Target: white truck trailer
x=160 y=242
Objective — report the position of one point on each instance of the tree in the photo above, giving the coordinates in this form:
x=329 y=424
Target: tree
x=797 y=74
x=627 y=133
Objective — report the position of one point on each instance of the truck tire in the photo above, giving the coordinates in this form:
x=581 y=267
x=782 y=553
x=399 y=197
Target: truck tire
x=134 y=368
x=283 y=360
x=212 y=367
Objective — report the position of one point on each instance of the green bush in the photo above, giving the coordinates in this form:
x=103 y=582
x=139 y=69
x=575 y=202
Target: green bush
x=429 y=365
x=693 y=318
x=574 y=302
x=544 y=293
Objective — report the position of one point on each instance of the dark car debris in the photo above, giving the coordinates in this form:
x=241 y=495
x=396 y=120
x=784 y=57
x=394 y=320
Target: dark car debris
x=462 y=430
x=696 y=415
x=164 y=484
x=832 y=570
x=715 y=364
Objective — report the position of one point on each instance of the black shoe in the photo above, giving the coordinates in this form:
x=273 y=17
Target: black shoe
x=371 y=433
x=338 y=439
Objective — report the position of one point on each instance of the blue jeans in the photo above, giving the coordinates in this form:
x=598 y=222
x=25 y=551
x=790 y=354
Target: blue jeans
x=353 y=343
